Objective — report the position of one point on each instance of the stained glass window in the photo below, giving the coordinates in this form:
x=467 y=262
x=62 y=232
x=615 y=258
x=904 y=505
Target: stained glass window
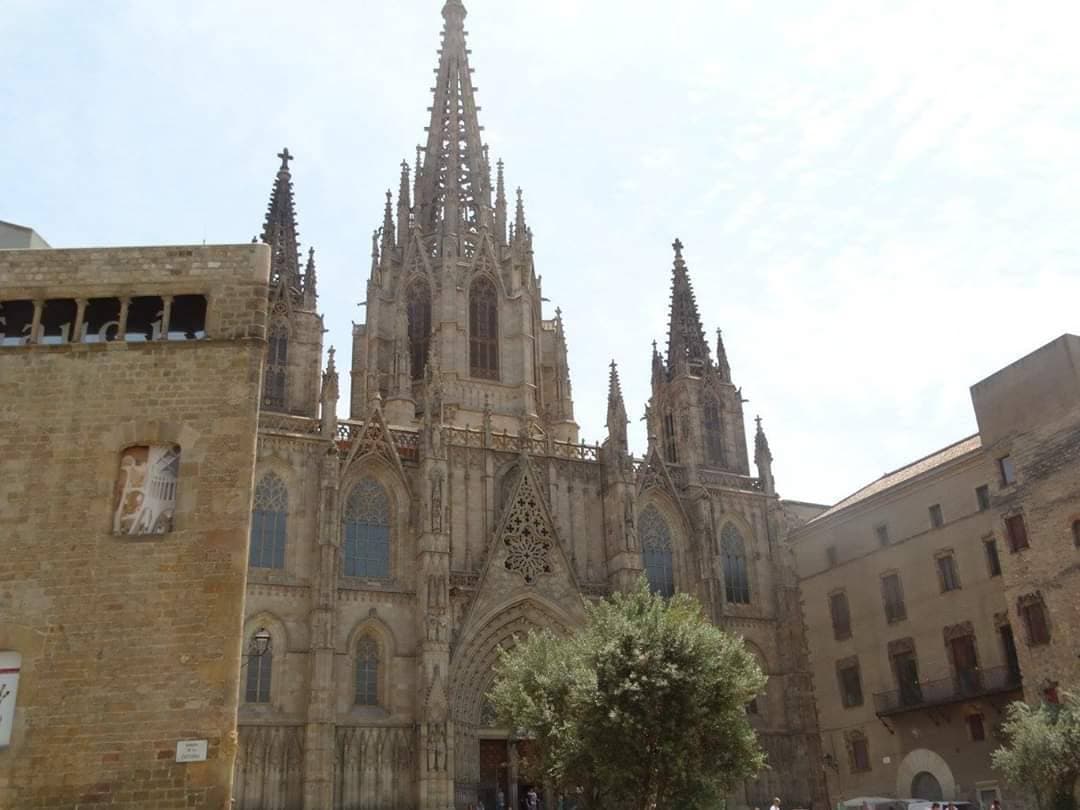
x=418 y=301
x=484 y=329
x=714 y=434
x=367 y=673
x=259 y=668
x=656 y=551
x=736 y=573
x=367 y=531
x=268 y=521
x=277 y=358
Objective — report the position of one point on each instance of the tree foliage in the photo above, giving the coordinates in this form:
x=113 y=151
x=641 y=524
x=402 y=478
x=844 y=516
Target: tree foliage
x=1042 y=750
x=643 y=707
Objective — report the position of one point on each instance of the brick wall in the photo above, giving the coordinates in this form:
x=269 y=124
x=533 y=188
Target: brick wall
x=128 y=644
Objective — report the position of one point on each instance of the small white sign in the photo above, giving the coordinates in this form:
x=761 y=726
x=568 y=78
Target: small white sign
x=191 y=751
x=10 y=662
x=886 y=760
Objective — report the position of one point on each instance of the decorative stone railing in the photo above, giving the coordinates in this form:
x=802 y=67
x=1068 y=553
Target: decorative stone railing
x=534 y=445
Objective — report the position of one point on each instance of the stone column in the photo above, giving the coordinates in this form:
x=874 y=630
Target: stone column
x=436 y=737
x=320 y=747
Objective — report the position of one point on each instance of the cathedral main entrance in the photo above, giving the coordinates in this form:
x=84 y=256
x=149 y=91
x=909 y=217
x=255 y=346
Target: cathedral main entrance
x=502 y=785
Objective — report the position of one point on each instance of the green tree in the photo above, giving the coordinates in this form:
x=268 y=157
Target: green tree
x=644 y=707
x=1042 y=750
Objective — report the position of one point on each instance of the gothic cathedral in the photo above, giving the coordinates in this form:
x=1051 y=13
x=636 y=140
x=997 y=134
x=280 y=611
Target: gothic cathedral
x=394 y=553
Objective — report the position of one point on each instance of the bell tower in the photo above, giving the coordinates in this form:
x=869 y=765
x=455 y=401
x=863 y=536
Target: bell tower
x=453 y=282
x=291 y=380
x=696 y=411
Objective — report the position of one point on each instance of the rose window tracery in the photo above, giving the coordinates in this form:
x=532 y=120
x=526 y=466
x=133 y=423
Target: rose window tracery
x=527 y=536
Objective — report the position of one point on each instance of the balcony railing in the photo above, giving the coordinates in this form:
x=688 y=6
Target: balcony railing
x=962 y=686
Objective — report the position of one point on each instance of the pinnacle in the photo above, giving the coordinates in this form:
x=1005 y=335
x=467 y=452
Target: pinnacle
x=686 y=338
x=279 y=229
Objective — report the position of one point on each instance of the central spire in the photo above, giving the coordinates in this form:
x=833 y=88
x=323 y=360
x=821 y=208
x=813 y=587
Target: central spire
x=453 y=186
x=687 y=349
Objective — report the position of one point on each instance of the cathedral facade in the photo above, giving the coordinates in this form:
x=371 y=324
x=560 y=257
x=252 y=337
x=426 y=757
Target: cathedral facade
x=396 y=552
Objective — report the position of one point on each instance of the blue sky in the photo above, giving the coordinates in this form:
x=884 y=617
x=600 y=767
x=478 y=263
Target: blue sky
x=878 y=199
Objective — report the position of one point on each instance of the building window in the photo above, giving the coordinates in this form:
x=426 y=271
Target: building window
x=1016 y=531
x=268 y=519
x=882 y=532
x=418 y=304
x=484 y=329
x=367 y=531
x=1076 y=533
x=145 y=497
x=965 y=661
x=841 y=616
x=993 y=562
x=1032 y=610
x=1007 y=470
x=367 y=672
x=656 y=551
x=1008 y=647
x=982 y=497
x=937 y=518
x=905 y=667
x=948 y=578
x=976 y=729
x=277 y=360
x=259 y=669
x=752 y=707
x=892 y=591
x=714 y=433
x=847 y=672
x=670 y=449
x=859 y=752
x=830 y=556
x=736 y=573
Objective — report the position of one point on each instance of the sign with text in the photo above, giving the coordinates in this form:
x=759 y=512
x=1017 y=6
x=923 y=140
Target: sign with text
x=191 y=751
x=10 y=663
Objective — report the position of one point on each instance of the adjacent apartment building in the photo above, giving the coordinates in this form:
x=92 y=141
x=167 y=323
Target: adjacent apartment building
x=944 y=590
x=129 y=387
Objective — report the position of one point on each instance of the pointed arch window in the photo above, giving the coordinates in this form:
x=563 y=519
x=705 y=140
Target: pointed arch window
x=736 y=572
x=484 y=329
x=418 y=304
x=671 y=451
x=268 y=523
x=259 y=670
x=367 y=531
x=367 y=672
x=277 y=360
x=714 y=433
x=656 y=551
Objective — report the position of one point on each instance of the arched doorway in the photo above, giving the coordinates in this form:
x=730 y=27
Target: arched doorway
x=926 y=786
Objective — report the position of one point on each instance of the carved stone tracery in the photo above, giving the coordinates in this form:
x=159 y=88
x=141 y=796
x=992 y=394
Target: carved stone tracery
x=526 y=533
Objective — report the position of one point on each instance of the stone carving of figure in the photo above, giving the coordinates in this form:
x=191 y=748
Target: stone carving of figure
x=436 y=498
x=628 y=522
x=436 y=747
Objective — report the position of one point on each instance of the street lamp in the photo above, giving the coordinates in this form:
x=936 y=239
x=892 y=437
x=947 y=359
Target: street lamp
x=258 y=647
x=260 y=643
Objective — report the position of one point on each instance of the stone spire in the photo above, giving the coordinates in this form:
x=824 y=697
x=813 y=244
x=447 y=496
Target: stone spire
x=328 y=398
x=500 y=204
x=279 y=230
x=388 y=224
x=763 y=459
x=688 y=352
x=723 y=368
x=453 y=189
x=616 y=413
x=404 y=204
x=310 y=293
x=658 y=373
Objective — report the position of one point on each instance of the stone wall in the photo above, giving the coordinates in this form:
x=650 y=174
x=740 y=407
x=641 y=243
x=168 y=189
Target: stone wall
x=130 y=642
x=1030 y=412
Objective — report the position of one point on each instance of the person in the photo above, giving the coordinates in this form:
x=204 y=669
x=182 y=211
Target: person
x=935 y=806
x=775 y=804
x=995 y=805
x=532 y=801
x=500 y=800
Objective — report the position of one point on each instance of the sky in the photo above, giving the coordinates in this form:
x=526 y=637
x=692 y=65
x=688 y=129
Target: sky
x=878 y=199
